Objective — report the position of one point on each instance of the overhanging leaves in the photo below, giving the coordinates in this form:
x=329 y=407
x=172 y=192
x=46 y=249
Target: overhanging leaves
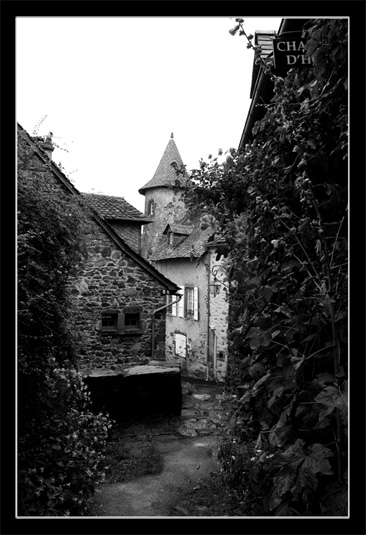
x=299 y=476
x=331 y=398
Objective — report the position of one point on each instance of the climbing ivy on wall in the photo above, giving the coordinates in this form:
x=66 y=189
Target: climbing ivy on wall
x=281 y=205
x=60 y=441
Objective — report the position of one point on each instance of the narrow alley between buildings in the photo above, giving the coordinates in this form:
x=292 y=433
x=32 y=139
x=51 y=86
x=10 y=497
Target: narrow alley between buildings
x=162 y=459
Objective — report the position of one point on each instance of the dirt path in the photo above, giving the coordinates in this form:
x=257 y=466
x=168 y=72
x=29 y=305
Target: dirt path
x=188 y=447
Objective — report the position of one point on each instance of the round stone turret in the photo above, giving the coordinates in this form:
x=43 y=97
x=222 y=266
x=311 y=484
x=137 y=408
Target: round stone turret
x=163 y=198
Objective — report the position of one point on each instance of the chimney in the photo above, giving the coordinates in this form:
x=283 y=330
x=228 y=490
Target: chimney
x=45 y=143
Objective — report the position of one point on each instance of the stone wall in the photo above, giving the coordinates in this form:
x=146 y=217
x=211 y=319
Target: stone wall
x=219 y=315
x=112 y=281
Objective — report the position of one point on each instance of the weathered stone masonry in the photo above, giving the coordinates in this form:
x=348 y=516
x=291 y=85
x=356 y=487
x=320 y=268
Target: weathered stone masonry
x=111 y=281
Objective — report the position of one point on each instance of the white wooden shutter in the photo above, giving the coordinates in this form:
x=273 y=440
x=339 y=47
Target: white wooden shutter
x=174 y=306
x=181 y=345
x=195 y=303
x=181 y=303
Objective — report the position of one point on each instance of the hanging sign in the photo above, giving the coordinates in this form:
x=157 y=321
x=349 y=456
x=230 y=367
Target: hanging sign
x=290 y=52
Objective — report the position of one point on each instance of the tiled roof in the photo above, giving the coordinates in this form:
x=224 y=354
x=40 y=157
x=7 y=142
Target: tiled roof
x=111 y=207
x=193 y=246
x=179 y=229
x=165 y=175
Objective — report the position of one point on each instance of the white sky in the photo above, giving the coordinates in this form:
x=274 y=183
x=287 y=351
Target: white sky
x=114 y=88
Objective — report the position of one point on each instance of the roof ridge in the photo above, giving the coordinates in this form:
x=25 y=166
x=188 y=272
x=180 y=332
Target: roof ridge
x=102 y=195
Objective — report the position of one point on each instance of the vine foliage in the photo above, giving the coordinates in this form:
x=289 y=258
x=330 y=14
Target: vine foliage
x=60 y=441
x=281 y=206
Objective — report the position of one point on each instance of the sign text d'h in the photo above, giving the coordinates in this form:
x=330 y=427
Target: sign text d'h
x=289 y=52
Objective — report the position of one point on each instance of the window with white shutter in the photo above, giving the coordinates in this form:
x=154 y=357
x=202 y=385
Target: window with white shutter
x=174 y=308
x=181 y=302
x=189 y=302
x=181 y=345
x=195 y=303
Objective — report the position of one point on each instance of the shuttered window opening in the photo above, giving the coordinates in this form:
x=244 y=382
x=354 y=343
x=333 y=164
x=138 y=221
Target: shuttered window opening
x=181 y=302
x=195 y=304
x=174 y=307
x=188 y=306
x=180 y=345
x=191 y=302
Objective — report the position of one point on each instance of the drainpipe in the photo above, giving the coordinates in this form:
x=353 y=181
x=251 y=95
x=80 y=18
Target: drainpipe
x=215 y=354
x=208 y=313
x=153 y=324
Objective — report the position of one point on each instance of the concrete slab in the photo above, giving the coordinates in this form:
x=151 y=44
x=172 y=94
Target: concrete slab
x=147 y=370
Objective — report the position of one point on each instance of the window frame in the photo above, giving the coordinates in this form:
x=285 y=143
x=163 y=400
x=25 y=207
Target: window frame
x=132 y=316
x=151 y=208
x=109 y=329
x=120 y=327
x=170 y=238
x=189 y=300
x=181 y=304
x=181 y=309
x=193 y=312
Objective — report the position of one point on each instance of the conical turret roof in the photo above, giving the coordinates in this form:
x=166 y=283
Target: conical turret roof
x=165 y=175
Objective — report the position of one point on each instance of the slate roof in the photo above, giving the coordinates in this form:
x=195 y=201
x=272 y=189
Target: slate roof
x=110 y=207
x=165 y=175
x=193 y=245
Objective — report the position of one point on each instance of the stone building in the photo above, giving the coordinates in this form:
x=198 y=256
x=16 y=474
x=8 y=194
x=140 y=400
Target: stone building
x=117 y=291
x=196 y=326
